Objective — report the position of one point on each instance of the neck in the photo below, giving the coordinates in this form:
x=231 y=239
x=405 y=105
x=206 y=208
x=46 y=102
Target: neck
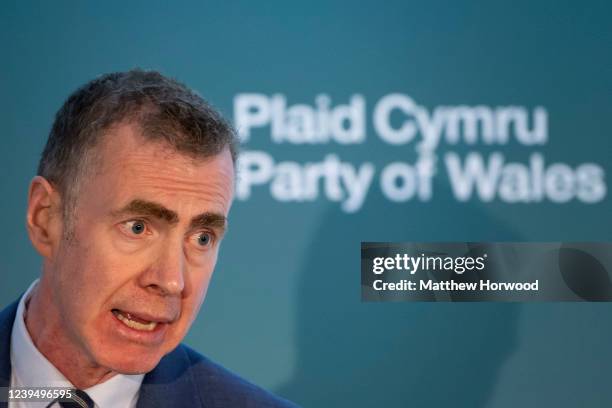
x=43 y=322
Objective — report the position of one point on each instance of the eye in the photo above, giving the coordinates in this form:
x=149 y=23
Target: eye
x=138 y=227
x=135 y=227
x=204 y=239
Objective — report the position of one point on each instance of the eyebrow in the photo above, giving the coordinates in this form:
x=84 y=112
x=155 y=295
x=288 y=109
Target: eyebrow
x=156 y=210
x=209 y=220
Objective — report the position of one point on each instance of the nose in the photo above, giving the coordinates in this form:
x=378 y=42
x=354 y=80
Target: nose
x=166 y=274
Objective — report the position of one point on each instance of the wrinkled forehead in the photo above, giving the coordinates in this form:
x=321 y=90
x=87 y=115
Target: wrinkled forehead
x=128 y=164
x=126 y=137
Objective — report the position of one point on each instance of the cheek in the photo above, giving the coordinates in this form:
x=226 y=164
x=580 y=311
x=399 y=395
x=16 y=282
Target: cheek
x=199 y=280
x=93 y=267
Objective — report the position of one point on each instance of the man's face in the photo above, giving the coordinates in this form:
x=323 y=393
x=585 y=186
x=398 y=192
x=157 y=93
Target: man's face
x=146 y=234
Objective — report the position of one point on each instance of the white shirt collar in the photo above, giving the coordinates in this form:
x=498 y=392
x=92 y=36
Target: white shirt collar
x=31 y=368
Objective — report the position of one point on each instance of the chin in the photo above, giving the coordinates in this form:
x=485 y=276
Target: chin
x=131 y=363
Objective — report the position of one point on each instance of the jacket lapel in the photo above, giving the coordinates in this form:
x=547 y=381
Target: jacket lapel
x=7 y=317
x=170 y=384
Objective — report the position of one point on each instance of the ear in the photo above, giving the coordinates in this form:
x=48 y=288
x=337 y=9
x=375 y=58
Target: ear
x=44 y=217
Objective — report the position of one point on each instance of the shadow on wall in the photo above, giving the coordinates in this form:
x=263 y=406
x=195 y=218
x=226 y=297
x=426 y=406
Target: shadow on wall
x=358 y=354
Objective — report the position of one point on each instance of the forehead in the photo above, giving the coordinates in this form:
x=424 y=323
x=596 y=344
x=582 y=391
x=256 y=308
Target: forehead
x=129 y=166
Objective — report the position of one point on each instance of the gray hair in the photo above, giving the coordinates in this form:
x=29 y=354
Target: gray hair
x=164 y=109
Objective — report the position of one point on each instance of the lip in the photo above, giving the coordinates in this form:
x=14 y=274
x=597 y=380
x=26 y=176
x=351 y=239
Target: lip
x=150 y=338
x=146 y=316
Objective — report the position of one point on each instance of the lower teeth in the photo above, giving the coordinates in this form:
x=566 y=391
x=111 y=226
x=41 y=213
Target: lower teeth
x=135 y=325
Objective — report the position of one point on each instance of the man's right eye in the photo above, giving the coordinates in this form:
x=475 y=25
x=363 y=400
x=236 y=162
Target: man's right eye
x=136 y=227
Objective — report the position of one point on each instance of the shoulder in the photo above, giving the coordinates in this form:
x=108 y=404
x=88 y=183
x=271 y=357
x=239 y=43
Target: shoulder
x=7 y=317
x=221 y=387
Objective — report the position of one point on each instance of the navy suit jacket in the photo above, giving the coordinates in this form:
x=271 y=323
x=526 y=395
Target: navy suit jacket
x=183 y=378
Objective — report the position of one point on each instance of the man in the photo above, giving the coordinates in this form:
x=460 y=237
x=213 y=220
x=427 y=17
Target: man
x=127 y=211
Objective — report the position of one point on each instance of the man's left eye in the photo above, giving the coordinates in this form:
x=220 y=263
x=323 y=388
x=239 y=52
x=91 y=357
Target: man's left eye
x=204 y=239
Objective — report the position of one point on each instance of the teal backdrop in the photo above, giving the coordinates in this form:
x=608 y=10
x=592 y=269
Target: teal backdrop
x=284 y=305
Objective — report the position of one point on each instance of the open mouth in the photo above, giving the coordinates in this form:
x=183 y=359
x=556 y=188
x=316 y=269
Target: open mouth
x=134 y=322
